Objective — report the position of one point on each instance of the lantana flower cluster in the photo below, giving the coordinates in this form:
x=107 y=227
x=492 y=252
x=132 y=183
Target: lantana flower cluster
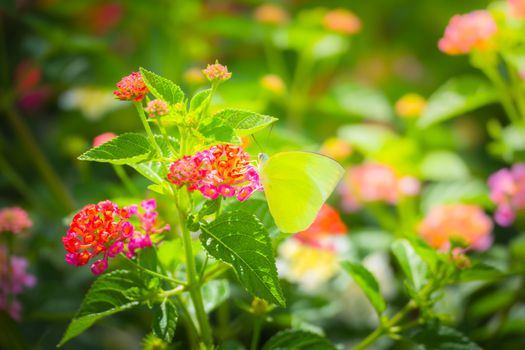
x=14 y=220
x=507 y=190
x=223 y=170
x=311 y=257
x=104 y=230
x=131 y=87
x=374 y=182
x=157 y=108
x=464 y=33
x=14 y=279
x=467 y=223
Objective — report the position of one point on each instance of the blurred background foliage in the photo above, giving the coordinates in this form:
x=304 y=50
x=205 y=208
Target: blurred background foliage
x=60 y=61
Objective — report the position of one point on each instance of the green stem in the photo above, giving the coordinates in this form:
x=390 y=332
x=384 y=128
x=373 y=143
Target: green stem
x=166 y=137
x=153 y=273
x=299 y=87
x=37 y=156
x=257 y=326
x=504 y=93
x=145 y=123
x=194 y=287
x=517 y=88
x=123 y=176
x=380 y=331
x=172 y=292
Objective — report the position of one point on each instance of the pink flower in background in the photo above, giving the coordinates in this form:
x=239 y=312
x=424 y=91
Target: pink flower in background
x=464 y=222
x=14 y=220
x=507 y=191
x=465 y=33
x=409 y=186
x=103 y=138
x=342 y=21
x=131 y=87
x=517 y=8
x=216 y=72
x=157 y=108
x=105 y=230
x=369 y=182
x=14 y=279
x=223 y=170
x=271 y=14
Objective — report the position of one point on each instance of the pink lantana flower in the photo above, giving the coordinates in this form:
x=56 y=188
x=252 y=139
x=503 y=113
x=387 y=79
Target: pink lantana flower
x=464 y=33
x=14 y=220
x=131 y=87
x=223 y=170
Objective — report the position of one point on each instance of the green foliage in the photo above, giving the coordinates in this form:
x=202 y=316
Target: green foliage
x=367 y=283
x=353 y=100
x=414 y=268
x=165 y=320
x=128 y=148
x=199 y=100
x=368 y=138
x=215 y=130
x=162 y=88
x=443 y=166
x=443 y=338
x=457 y=96
x=243 y=122
x=240 y=239
x=108 y=295
x=298 y=340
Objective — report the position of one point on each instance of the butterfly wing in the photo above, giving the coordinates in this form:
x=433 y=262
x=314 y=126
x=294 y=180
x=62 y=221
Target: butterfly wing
x=296 y=185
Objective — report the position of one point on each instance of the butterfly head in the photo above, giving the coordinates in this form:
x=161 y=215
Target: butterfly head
x=263 y=157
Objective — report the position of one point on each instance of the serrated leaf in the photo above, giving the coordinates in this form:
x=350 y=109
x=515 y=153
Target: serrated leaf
x=443 y=338
x=106 y=296
x=298 y=340
x=165 y=318
x=411 y=263
x=154 y=171
x=368 y=284
x=129 y=148
x=162 y=88
x=240 y=240
x=147 y=258
x=457 y=96
x=243 y=122
x=215 y=130
x=199 y=99
x=481 y=272
x=259 y=208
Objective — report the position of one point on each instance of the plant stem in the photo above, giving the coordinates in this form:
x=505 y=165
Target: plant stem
x=172 y=292
x=123 y=176
x=166 y=137
x=504 y=94
x=145 y=123
x=194 y=286
x=41 y=163
x=257 y=326
x=380 y=331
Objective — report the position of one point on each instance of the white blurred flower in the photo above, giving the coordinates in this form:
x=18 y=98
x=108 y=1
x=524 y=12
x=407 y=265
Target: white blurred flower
x=93 y=102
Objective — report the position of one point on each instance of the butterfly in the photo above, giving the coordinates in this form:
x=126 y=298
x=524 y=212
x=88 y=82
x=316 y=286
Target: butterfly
x=296 y=184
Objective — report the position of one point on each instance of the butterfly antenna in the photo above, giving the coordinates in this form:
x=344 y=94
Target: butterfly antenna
x=269 y=133
x=257 y=143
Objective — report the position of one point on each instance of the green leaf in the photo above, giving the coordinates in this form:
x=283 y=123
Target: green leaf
x=106 y=296
x=240 y=239
x=244 y=122
x=154 y=171
x=129 y=148
x=165 y=318
x=162 y=88
x=443 y=166
x=412 y=265
x=443 y=338
x=429 y=255
x=353 y=100
x=471 y=191
x=147 y=258
x=199 y=99
x=481 y=272
x=214 y=293
x=368 y=284
x=457 y=96
x=259 y=208
x=215 y=130
x=298 y=340
x=366 y=137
